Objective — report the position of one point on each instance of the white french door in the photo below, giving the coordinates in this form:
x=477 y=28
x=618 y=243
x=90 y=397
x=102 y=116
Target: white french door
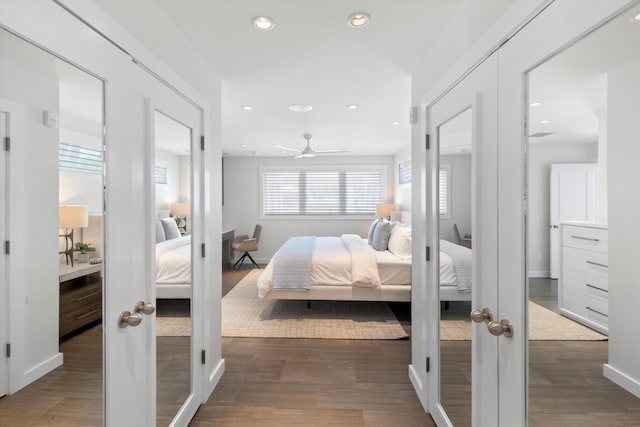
x=4 y=374
x=478 y=94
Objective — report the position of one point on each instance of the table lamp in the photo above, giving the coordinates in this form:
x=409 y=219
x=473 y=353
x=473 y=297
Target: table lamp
x=180 y=211
x=384 y=210
x=70 y=217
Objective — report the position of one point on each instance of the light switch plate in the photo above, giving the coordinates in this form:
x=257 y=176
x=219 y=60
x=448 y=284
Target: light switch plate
x=51 y=119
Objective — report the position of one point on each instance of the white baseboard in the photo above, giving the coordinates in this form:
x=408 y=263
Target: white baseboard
x=42 y=369
x=417 y=386
x=539 y=274
x=214 y=378
x=623 y=380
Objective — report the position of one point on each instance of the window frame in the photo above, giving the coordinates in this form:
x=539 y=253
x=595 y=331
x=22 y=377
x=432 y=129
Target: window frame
x=320 y=168
x=446 y=168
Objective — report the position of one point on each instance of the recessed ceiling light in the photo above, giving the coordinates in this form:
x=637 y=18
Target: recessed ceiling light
x=544 y=122
x=395 y=123
x=300 y=108
x=352 y=106
x=263 y=23
x=461 y=150
x=244 y=146
x=248 y=108
x=535 y=104
x=636 y=17
x=358 y=20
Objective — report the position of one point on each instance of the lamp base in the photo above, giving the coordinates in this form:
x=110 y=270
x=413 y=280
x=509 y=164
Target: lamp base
x=68 y=249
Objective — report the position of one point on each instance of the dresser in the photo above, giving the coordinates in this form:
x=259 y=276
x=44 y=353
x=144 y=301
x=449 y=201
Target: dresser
x=583 y=283
x=80 y=296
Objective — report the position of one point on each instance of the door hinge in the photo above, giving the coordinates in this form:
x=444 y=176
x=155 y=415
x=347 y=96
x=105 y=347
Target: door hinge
x=426 y=141
x=7 y=143
x=7 y=247
x=428 y=253
x=202 y=250
x=413 y=115
x=203 y=356
x=202 y=143
x=8 y=350
x=428 y=365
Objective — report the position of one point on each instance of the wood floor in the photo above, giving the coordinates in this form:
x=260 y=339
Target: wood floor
x=271 y=382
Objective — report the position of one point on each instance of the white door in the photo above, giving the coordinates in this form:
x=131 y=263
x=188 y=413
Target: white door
x=477 y=93
x=4 y=375
x=573 y=192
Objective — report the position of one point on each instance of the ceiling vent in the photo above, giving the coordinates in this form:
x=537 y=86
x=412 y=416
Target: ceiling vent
x=540 y=134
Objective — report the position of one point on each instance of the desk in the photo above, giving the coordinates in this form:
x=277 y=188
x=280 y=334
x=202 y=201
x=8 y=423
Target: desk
x=228 y=234
x=80 y=296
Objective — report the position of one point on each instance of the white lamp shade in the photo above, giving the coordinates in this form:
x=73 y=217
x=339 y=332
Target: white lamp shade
x=180 y=209
x=73 y=216
x=384 y=210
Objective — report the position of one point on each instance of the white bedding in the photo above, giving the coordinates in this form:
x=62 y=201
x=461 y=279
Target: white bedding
x=455 y=266
x=173 y=261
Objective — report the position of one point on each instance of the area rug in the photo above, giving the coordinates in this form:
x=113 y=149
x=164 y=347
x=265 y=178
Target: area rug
x=545 y=325
x=173 y=326
x=246 y=315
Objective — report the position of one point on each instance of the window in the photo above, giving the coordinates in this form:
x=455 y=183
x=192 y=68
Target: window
x=76 y=158
x=444 y=190
x=160 y=174
x=291 y=191
x=404 y=172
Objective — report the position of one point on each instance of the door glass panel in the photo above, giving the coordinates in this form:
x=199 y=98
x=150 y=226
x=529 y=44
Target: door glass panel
x=582 y=210
x=173 y=264
x=454 y=191
x=53 y=113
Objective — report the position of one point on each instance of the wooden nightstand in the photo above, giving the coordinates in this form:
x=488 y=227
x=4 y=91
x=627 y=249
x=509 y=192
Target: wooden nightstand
x=80 y=296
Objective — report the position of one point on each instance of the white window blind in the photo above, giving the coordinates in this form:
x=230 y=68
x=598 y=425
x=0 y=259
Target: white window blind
x=76 y=158
x=321 y=192
x=160 y=174
x=404 y=172
x=444 y=191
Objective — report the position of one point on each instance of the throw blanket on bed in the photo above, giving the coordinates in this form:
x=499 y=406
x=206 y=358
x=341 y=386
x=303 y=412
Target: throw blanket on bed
x=364 y=267
x=292 y=263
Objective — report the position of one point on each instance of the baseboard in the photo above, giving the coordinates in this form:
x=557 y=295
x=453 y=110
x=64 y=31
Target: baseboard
x=214 y=379
x=623 y=380
x=539 y=274
x=417 y=386
x=42 y=369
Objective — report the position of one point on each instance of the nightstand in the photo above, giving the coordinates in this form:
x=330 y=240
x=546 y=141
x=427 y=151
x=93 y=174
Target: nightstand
x=80 y=296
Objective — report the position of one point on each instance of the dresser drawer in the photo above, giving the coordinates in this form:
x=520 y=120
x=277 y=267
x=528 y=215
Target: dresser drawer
x=592 y=239
x=586 y=283
x=587 y=307
x=595 y=263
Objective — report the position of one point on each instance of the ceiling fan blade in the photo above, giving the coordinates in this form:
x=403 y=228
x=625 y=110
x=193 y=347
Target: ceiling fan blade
x=331 y=151
x=297 y=150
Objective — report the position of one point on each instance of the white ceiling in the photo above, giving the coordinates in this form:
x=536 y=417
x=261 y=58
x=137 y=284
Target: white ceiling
x=171 y=136
x=313 y=57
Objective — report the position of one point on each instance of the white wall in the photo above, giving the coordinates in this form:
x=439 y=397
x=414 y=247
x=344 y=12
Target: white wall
x=624 y=238
x=541 y=157
x=460 y=201
x=38 y=240
x=242 y=201
x=402 y=192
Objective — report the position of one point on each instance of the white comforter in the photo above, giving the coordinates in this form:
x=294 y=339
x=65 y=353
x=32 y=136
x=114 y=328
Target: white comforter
x=173 y=261
x=455 y=266
x=346 y=260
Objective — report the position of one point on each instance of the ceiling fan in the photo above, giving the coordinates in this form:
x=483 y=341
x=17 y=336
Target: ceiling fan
x=308 y=151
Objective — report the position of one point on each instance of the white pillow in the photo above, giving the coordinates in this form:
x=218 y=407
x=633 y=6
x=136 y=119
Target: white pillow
x=400 y=242
x=170 y=228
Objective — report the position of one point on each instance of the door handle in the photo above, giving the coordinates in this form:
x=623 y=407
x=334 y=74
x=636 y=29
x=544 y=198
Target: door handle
x=127 y=318
x=144 y=307
x=503 y=327
x=485 y=315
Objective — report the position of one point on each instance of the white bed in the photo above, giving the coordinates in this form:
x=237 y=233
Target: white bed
x=173 y=263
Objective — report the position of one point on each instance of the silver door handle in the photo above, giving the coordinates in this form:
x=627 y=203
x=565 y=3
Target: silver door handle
x=144 y=307
x=503 y=327
x=127 y=318
x=485 y=315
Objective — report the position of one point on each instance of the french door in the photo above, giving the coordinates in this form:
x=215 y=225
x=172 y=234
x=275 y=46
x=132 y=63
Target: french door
x=465 y=121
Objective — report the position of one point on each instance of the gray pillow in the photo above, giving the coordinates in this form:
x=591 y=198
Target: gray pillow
x=160 y=236
x=170 y=228
x=371 y=229
x=381 y=233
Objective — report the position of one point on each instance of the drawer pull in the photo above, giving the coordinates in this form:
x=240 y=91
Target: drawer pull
x=595 y=287
x=88 y=296
x=596 y=311
x=92 y=312
x=597 y=263
x=585 y=238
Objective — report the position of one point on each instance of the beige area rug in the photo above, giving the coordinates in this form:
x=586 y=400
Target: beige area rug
x=173 y=326
x=545 y=325
x=246 y=315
